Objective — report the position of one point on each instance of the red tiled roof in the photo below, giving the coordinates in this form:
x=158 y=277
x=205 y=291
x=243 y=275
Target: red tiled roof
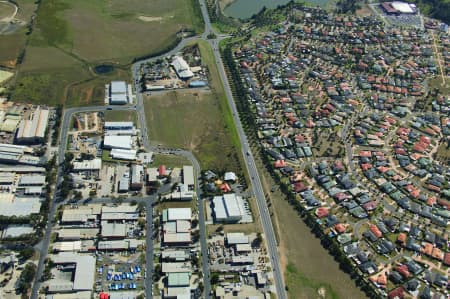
x=322 y=212
x=374 y=229
x=397 y=293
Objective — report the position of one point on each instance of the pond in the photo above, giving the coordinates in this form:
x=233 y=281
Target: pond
x=244 y=9
x=104 y=69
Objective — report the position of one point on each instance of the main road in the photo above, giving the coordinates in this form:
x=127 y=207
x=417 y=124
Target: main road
x=249 y=161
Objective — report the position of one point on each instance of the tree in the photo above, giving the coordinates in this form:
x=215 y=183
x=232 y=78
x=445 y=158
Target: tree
x=214 y=278
x=26 y=278
x=26 y=253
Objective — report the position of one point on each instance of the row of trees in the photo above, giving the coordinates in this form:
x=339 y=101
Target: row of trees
x=246 y=114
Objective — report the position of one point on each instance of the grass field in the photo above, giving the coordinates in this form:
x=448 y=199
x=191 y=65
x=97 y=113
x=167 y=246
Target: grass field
x=70 y=37
x=180 y=119
x=13 y=43
x=115 y=115
x=169 y=161
x=4 y=75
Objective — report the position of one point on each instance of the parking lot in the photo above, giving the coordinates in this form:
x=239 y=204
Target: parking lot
x=118 y=272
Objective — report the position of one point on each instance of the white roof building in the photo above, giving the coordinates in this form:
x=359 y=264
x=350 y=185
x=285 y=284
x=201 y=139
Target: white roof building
x=188 y=176
x=123 y=154
x=228 y=208
x=119 y=142
x=230 y=176
x=403 y=7
x=19 y=207
x=33 y=130
x=182 y=68
x=32 y=180
x=118 y=93
x=114 y=230
x=88 y=165
x=237 y=238
x=174 y=214
x=84 y=269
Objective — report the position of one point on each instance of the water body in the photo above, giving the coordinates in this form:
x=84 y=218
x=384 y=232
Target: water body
x=244 y=9
x=103 y=69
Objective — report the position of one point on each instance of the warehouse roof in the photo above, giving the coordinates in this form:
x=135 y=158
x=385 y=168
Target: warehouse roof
x=177 y=237
x=118 y=87
x=122 y=142
x=178 y=279
x=15 y=206
x=35 y=179
x=174 y=214
x=403 y=7
x=176 y=267
x=123 y=154
x=34 y=127
x=188 y=175
x=77 y=233
x=114 y=229
x=137 y=173
x=123 y=208
x=84 y=269
x=237 y=238
x=6 y=178
x=23 y=169
x=179 y=255
x=94 y=164
x=228 y=206
x=182 y=68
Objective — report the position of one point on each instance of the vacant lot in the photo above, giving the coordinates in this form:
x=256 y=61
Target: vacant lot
x=170 y=161
x=115 y=115
x=70 y=37
x=191 y=120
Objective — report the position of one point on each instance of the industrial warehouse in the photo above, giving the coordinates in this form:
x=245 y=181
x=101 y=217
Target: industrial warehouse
x=118 y=93
x=230 y=208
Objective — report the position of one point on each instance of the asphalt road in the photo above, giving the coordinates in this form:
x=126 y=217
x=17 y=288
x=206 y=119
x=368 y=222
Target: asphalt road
x=250 y=162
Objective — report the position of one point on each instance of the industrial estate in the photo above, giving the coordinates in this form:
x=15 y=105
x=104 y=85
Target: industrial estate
x=343 y=114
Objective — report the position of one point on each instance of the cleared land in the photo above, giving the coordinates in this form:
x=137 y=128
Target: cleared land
x=169 y=161
x=70 y=37
x=191 y=120
x=115 y=115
